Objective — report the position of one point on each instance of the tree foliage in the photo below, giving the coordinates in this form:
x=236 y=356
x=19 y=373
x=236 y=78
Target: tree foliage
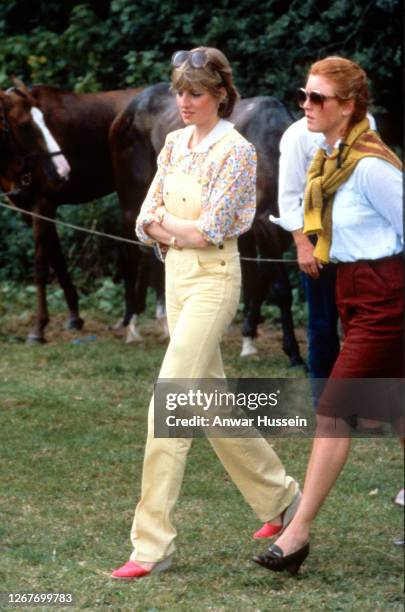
x=110 y=44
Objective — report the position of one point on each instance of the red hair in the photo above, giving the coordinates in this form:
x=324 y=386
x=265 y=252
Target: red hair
x=349 y=79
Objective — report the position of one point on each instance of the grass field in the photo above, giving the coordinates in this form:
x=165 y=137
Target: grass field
x=73 y=423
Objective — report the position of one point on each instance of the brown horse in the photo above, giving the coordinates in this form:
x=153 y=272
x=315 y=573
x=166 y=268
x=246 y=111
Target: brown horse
x=54 y=150
x=136 y=137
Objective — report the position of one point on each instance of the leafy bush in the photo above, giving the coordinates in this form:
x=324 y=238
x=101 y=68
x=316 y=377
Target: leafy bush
x=89 y=257
x=87 y=46
x=16 y=247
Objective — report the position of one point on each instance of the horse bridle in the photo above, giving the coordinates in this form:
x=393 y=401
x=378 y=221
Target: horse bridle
x=25 y=176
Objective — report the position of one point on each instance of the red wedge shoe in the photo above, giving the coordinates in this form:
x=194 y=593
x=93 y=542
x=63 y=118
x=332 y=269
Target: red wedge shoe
x=268 y=530
x=132 y=570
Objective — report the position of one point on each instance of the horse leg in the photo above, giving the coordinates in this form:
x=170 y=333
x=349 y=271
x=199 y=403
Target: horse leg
x=161 y=317
x=158 y=284
x=48 y=252
x=281 y=295
x=139 y=296
x=251 y=300
x=59 y=266
x=271 y=244
x=36 y=336
x=253 y=317
x=41 y=273
x=129 y=259
x=134 y=165
x=151 y=274
x=131 y=286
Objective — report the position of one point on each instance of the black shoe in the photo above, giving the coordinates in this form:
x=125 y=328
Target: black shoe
x=274 y=560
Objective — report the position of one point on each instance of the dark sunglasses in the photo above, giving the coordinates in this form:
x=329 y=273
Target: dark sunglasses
x=196 y=59
x=315 y=97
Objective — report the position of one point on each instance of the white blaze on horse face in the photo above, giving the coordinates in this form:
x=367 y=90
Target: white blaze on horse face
x=60 y=162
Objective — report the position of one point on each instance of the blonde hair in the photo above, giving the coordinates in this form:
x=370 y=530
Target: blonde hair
x=215 y=75
x=349 y=79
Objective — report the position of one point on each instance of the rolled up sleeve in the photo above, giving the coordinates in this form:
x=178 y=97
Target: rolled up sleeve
x=154 y=197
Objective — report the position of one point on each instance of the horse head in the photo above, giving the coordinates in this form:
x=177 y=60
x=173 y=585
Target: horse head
x=30 y=155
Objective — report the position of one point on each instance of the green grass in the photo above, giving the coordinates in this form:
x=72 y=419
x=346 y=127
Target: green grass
x=73 y=424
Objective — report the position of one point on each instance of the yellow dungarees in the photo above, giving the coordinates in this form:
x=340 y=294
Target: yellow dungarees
x=202 y=295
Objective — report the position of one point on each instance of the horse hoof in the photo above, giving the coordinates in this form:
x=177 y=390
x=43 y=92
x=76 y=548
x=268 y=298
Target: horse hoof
x=133 y=333
x=298 y=365
x=34 y=339
x=133 y=336
x=165 y=335
x=74 y=323
x=160 y=312
x=119 y=324
x=248 y=348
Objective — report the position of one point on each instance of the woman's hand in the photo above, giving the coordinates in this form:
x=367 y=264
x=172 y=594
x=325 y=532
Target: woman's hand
x=185 y=231
x=158 y=233
x=305 y=254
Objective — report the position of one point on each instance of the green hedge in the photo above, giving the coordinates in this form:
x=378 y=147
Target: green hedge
x=98 y=45
x=89 y=257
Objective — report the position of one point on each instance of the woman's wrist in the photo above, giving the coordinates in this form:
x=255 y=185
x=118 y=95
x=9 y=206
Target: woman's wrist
x=174 y=244
x=156 y=232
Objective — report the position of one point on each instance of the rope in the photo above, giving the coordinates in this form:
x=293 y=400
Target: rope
x=111 y=236
x=70 y=225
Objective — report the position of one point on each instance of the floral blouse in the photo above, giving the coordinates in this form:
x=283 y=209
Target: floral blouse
x=227 y=175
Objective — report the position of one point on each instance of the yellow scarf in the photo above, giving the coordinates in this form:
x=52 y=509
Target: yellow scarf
x=327 y=172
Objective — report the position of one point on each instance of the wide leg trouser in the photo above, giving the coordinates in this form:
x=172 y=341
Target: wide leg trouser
x=202 y=295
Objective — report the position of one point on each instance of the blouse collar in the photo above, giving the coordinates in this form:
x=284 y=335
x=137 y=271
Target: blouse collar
x=327 y=147
x=217 y=132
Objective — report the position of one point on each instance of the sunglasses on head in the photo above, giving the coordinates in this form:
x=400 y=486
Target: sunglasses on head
x=315 y=97
x=196 y=59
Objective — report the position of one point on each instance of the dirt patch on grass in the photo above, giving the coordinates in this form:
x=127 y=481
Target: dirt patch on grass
x=17 y=328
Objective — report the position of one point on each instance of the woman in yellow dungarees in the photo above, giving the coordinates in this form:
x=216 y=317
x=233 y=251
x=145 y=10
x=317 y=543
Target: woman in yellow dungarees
x=202 y=198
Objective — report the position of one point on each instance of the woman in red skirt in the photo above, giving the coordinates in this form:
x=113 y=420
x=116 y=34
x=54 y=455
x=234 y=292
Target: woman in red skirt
x=353 y=204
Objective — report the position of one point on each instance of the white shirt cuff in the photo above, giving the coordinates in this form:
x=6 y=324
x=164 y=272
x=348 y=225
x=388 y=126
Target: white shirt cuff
x=289 y=222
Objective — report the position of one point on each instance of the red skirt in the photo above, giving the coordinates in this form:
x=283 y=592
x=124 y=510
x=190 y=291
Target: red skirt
x=370 y=301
